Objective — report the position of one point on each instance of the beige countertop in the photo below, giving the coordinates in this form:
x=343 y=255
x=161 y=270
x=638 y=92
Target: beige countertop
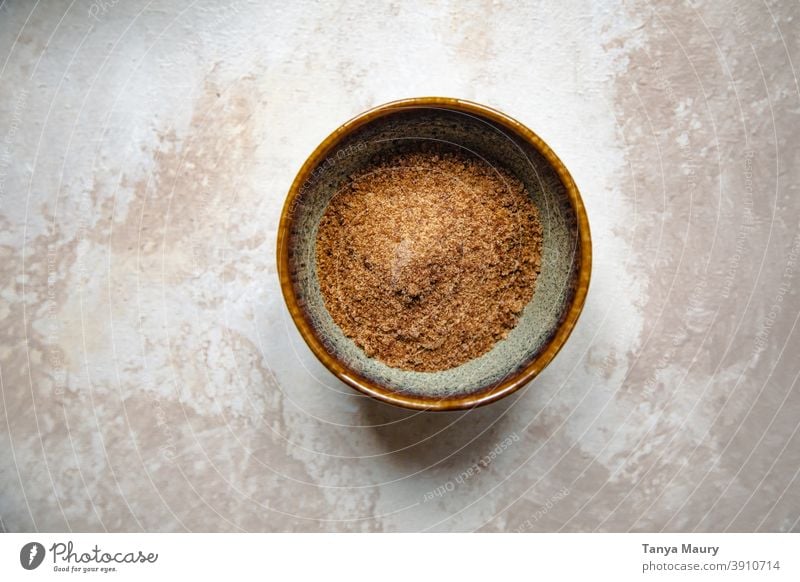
x=153 y=380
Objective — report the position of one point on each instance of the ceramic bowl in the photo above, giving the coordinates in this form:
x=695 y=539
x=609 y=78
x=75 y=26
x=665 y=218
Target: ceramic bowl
x=547 y=320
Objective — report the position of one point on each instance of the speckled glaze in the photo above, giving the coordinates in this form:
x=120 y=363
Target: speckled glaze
x=561 y=288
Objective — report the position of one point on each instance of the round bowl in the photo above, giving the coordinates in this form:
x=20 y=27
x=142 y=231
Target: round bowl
x=561 y=287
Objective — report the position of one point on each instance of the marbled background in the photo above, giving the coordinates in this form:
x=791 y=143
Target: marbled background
x=151 y=376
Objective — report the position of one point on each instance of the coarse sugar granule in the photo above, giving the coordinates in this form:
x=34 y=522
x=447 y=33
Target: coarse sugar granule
x=426 y=259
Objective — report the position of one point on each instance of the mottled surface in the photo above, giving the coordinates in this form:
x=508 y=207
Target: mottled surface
x=152 y=379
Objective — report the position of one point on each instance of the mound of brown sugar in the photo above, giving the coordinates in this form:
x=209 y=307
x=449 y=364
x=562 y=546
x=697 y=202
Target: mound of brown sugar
x=426 y=259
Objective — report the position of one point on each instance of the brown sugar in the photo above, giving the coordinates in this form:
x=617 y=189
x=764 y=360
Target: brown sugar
x=426 y=259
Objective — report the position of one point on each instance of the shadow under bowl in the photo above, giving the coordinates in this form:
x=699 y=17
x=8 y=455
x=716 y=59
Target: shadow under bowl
x=561 y=287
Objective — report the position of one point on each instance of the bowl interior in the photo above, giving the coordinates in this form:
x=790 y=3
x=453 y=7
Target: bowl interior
x=400 y=129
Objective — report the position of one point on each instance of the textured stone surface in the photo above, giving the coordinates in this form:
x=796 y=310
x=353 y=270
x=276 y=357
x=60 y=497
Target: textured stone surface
x=152 y=379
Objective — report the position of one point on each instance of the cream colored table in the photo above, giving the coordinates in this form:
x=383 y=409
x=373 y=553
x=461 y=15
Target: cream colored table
x=152 y=379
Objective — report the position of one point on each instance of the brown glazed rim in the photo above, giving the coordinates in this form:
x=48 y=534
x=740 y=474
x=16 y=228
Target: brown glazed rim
x=489 y=393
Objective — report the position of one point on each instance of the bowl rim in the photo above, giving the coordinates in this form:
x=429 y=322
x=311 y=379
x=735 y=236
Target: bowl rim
x=487 y=394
